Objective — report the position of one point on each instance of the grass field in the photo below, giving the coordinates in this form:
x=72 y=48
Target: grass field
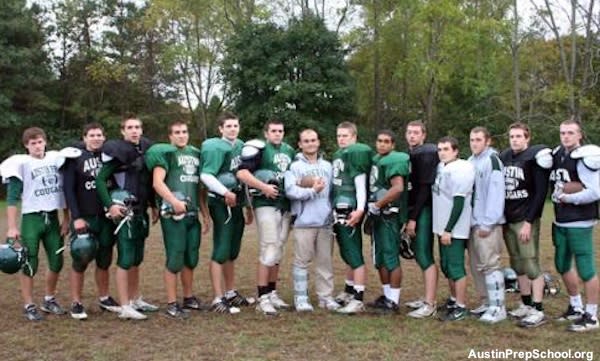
x=251 y=336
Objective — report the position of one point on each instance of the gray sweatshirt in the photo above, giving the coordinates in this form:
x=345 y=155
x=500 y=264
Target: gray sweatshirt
x=488 y=199
x=311 y=209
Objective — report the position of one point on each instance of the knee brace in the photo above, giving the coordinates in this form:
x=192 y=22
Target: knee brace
x=270 y=255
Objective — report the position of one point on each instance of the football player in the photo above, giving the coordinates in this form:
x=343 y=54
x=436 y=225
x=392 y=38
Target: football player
x=351 y=165
x=451 y=198
x=526 y=183
x=176 y=180
x=423 y=162
x=576 y=213
x=221 y=158
x=123 y=161
x=36 y=181
x=272 y=209
x=388 y=208
x=88 y=217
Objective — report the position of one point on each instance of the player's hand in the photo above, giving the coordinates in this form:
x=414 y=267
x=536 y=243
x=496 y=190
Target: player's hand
x=80 y=225
x=230 y=199
x=179 y=207
x=13 y=233
x=116 y=211
x=355 y=217
x=319 y=184
x=249 y=216
x=155 y=215
x=373 y=209
x=64 y=229
x=482 y=233
x=270 y=191
x=206 y=224
x=446 y=239
x=410 y=229
x=525 y=232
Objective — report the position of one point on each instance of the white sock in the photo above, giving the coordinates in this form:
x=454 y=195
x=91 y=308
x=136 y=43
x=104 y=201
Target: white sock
x=359 y=288
x=103 y=298
x=461 y=305
x=230 y=294
x=349 y=282
x=216 y=300
x=452 y=298
x=48 y=298
x=386 y=290
x=395 y=295
x=576 y=302
x=592 y=310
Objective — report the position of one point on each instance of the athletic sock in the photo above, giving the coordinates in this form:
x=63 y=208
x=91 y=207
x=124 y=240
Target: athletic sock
x=576 y=302
x=48 y=298
x=538 y=306
x=230 y=294
x=349 y=287
x=592 y=310
x=272 y=286
x=359 y=291
x=526 y=299
x=395 y=295
x=263 y=290
x=386 y=290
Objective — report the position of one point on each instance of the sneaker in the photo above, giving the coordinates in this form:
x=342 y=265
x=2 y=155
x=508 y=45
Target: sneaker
x=328 y=303
x=192 y=303
x=585 y=323
x=343 y=298
x=424 y=311
x=52 y=306
x=379 y=303
x=222 y=306
x=277 y=302
x=479 y=311
x=77 y=311
x=353 y=307
x=237 y=300
x=521 y=312
x=571 y=314
x=494 y=314
x=534 y=319
x=449 y=305
x=416 y=303
x=175 y=312
x=143 y=306
x=454 y=314
x=129 y=312
x=109 y=304
x=388 y=306
x=302 y=304
x=265 y=306
x=31 y=313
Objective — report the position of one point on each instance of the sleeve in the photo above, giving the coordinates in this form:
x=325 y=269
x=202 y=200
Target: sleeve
x=213 y=184
x=69 y=186
x=14 y=191
x=359 y=162
x=212 y=160
x=292 y=190
x=540 y=189
x=102 y=182
x=360 y=182
x=494 y=208
x=426 y=168
x=423 y=192
x=458 y=204
x=591 y=191
x=463 y=180
x=400 y=167
x=156 y=156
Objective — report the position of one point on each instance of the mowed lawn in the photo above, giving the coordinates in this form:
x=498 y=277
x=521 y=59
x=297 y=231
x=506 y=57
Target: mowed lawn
x=252 y=336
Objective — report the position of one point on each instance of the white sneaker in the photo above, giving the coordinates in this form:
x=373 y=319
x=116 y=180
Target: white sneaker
x=328 y=303
x=534 y=319
x=140 y=305
x=416 y=303
x=276 y=301
x=479 y=311
x=353 y=307
x=302 y=304
x=424 y=311
x=343 y=298
x=521 y=311
x=265 y=306
x=129 y=312
x=493 y=314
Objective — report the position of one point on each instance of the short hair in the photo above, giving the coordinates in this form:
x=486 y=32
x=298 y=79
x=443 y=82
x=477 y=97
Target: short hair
x=573 y=120
x=226 y=116
x=270 y=122
x=128 y=116
x=448 y=139
x=387 y=132
x=305 y=130
x=524 y=127
x=417 y=123
x=484 y=130
x=175 y=123
x=90 y=126
x=33 y=133
x=348 y=125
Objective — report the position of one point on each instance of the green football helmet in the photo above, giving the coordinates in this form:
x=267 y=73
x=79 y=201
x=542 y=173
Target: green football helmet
x=380 y=193
x=123 y=198
x=166 y=208
x=266 y=176
x=342 y=207
x=12 y=259
x=511 y=283
x=229 y=180
x=83 y=248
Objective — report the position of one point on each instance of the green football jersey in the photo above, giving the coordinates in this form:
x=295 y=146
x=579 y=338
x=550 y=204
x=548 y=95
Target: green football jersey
x=385 y=168
x=347 y=163
x=219 y=155
x=277 y=159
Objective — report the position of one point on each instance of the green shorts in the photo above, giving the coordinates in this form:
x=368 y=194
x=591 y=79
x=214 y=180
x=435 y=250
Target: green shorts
x=572 y=242
x=228 y=228
x=45 y=227
x=350 y=241
x=524 y=257
x=182 y=242
x=452 y=259
x=130 y=241
x=385 y=242
x=424 y=240
x=103 y=230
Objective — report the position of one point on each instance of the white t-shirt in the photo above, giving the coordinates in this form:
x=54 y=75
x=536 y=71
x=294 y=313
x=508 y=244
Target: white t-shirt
x=456 y=178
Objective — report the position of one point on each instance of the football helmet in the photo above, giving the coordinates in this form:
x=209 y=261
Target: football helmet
x=229 y=180
x=407 y=248
x=12 y=259
x=266 y=176
x=342 y=207
x=166 y=208
x=83 y=248
x=511 y=283
x=551 y=285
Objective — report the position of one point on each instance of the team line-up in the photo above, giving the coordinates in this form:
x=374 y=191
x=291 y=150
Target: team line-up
x=402 y=200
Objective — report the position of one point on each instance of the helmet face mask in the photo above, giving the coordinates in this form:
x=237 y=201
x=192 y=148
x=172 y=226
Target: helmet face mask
x=12 y=259
x=342 y=207
x=407 y=247
x=125 y=199
x=268 y=177
x=511 y=283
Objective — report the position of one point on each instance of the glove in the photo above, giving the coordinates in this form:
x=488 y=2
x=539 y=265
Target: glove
x=373 y=209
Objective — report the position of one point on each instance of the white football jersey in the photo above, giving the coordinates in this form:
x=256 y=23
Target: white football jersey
x=456 y=178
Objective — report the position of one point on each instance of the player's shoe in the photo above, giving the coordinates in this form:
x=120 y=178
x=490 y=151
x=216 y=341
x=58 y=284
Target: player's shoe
x=109 y=304
x=32 y=314
x=379 y=303
x=454 y=314
x=447 y=306
x=222 y=306
x=418 y=303
x=78 y=311
x=571 y=314
x=192 y=303
x=52 y=306
x=140 y=305
x=176 y=312
x=265 y=306
x=424 y=311
x=388 y=306
x=277 y=302
x=353 y=307
x=534 y=319
x=479 y=311
x=302 y=304
x=520 y=312
x=128 y=312
x=328 y=303
x=237 y=300
x=494 y=314
x=343 y=298
x=584 y=323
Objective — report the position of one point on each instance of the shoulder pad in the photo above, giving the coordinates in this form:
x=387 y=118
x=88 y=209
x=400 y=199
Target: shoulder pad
x=11 y=166
x=252 y=148
x=426 y=148
x=543 y=158
x=589 y=155
x=118 y=149
x=156 y=153
x=70 y=152
x=555 y=150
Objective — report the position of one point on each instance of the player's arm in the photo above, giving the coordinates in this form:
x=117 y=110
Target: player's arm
x=458 y=204
x=360 y=184
x=69 y=187
x=203 y=203
x=159 y=175
x=14 y=191
x=393 y=193
x=494 y=206
x=250 y=163
x=102 y=178
x=591 y=190
x=538 y=198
